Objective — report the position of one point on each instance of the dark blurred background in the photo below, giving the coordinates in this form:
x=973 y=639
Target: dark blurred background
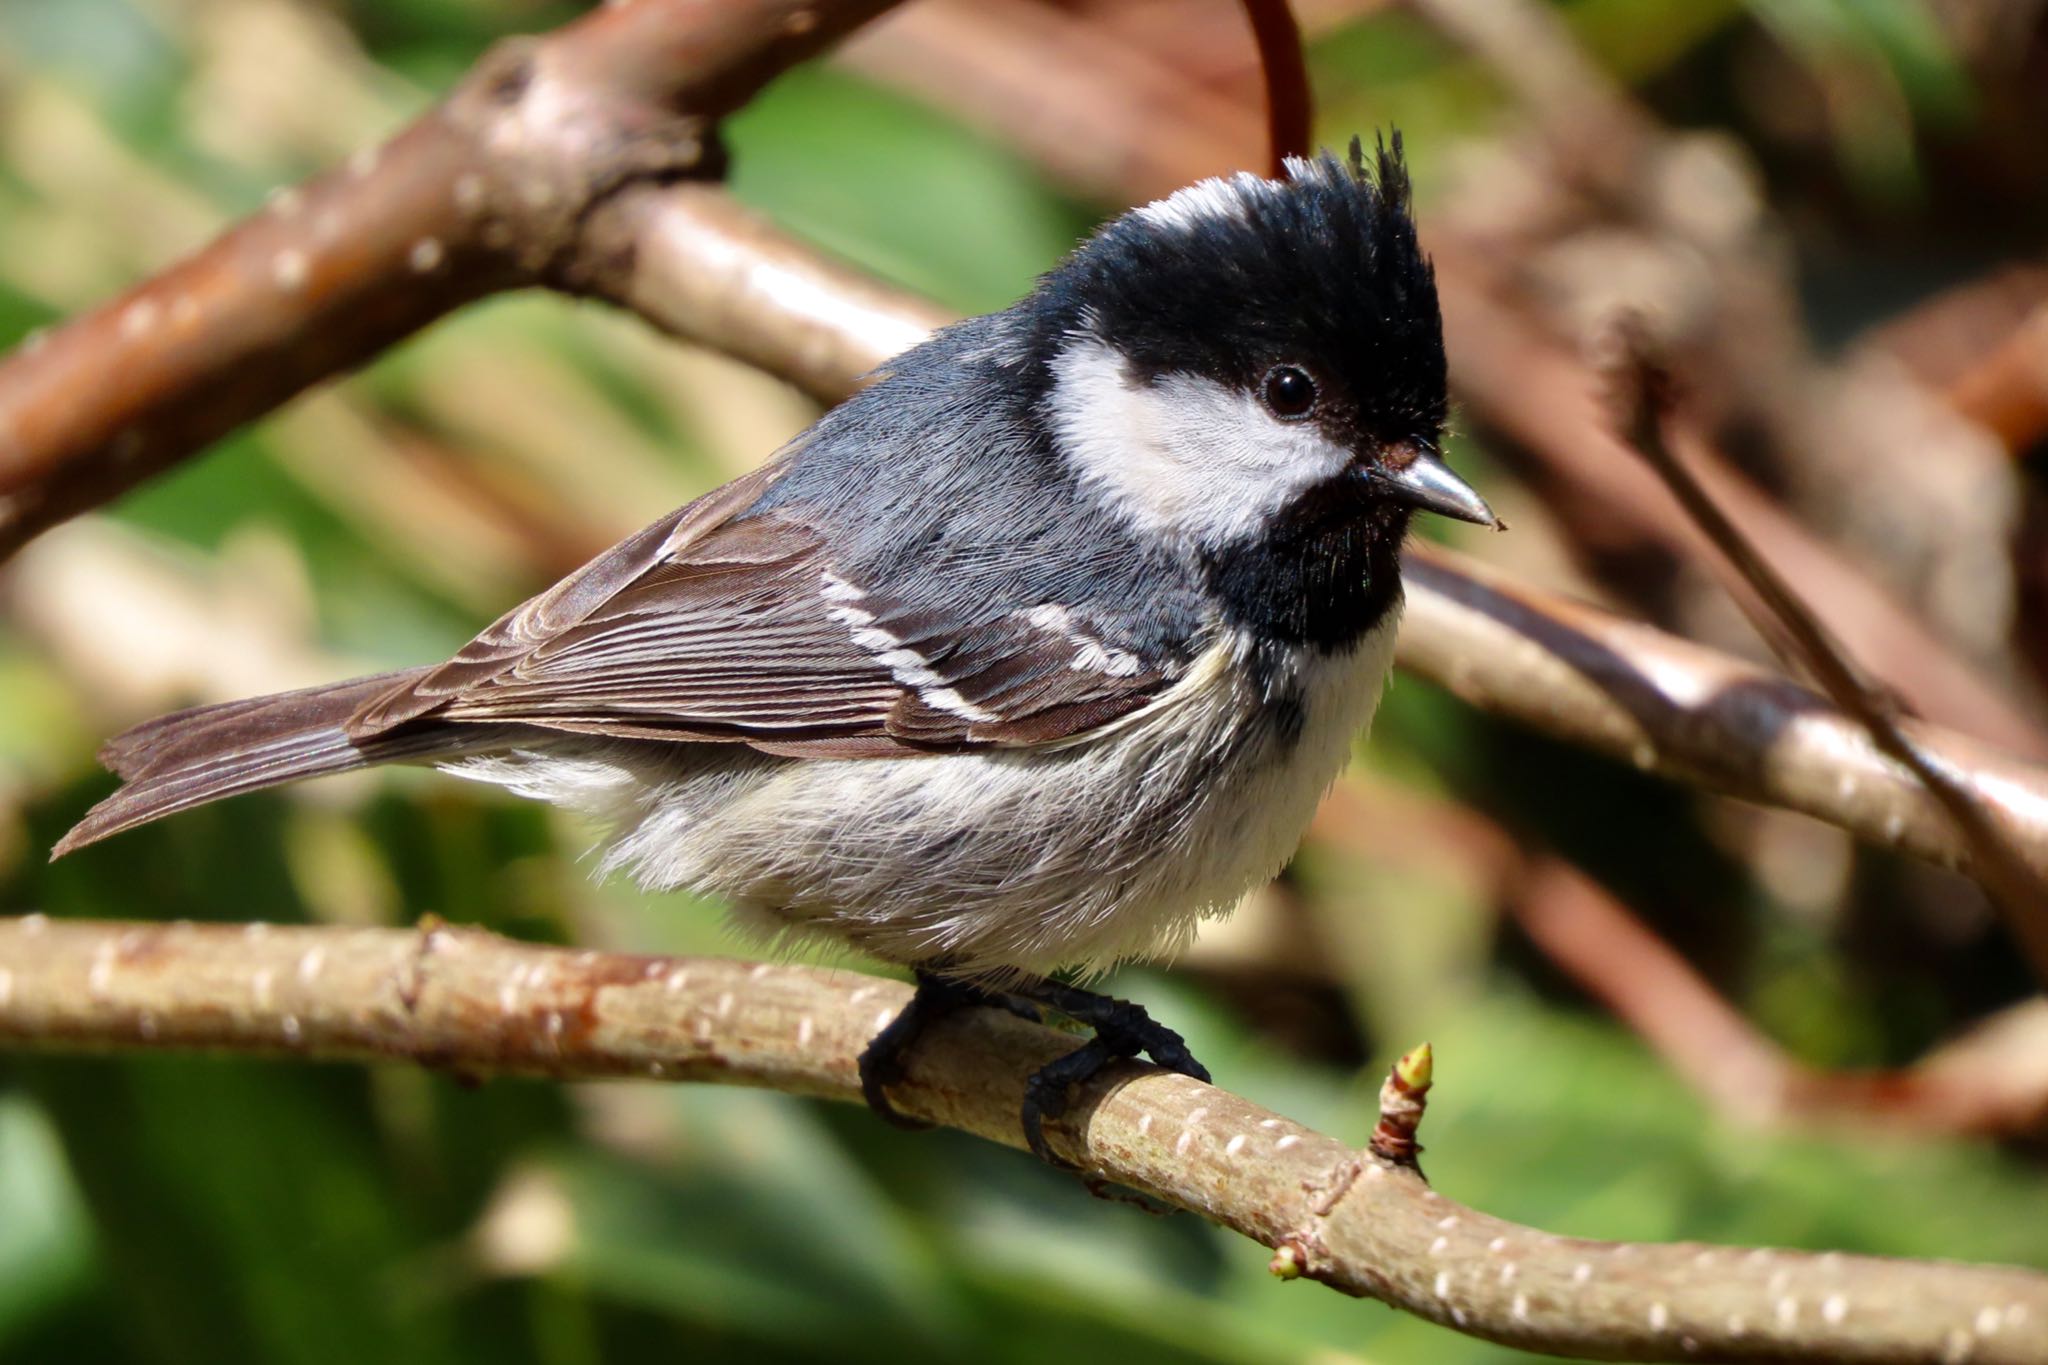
x=1657 y=1014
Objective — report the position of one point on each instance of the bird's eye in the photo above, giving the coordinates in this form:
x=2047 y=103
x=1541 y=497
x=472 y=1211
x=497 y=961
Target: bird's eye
x=1288 y=392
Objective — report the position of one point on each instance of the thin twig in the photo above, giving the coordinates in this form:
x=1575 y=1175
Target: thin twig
x=1545 y=403
x=474 y=1004
x=2002 y=872
x=1290 y=105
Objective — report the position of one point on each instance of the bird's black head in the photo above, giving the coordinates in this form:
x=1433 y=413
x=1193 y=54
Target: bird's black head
x=1253 y=370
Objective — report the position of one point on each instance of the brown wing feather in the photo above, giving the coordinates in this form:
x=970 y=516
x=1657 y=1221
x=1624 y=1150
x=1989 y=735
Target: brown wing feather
x=709 y=628
x=512 y=636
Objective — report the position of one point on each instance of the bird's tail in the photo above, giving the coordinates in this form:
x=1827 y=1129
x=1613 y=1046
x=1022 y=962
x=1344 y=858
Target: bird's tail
x=191 y=757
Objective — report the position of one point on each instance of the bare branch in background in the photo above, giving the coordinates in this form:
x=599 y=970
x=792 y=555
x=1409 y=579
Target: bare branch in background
x=1694 y=714
x=1808 y=644
x=1545 y=403
x=489 y=190
x=2007 y=392
x=1984 y=345
x=1105 y=119
x=1992 y=1080
x=702 y=267
x=1289 y=105
x=478 y=1005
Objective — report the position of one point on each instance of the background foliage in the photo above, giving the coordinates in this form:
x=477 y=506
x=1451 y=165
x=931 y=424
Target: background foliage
x=216 y=1211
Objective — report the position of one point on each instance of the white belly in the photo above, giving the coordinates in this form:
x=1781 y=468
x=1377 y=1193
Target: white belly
x=1082 y=854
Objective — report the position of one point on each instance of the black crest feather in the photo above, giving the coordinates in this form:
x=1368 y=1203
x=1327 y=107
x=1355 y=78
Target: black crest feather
x=1228 y=277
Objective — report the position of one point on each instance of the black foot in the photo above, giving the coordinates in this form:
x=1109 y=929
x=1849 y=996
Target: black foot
x=1121 y=1030
x=882 y=1061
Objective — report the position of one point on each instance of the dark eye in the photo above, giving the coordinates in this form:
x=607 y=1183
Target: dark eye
x=1288 y=392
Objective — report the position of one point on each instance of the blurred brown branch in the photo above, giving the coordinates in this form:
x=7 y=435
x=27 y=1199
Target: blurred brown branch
x=1108 y=119
x=1289 y=106
x=1544 y=403
x=1694 y=714
x=2007 y=392
x=503 y=184
x=703 y=268
x=1984 y=346
x=1802 y=641
x=478 y=1005
x=1992 y=1080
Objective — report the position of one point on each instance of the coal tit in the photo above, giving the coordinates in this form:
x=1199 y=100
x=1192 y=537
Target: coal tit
x=1035 y=652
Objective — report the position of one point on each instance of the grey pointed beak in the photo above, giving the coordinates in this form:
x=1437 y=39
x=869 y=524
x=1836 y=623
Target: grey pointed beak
x=1426 y=482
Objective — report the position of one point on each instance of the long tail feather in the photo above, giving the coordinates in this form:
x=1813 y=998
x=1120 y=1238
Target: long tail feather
x=191 y=757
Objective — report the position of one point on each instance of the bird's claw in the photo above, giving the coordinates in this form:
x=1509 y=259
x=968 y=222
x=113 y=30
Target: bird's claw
x=883 y=1062
x=1122 y=1030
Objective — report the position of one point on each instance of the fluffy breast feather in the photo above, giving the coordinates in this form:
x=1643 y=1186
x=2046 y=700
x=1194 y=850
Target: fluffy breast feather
x=1080 y=853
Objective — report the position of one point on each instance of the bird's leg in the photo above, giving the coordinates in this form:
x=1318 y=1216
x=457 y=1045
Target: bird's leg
x=882 y=1061
x=1122 y=1030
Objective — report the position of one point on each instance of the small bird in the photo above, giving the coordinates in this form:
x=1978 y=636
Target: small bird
x=1027 y=657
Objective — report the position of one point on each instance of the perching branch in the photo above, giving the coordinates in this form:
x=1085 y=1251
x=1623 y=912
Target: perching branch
x=478 y=1005
x=503 y=184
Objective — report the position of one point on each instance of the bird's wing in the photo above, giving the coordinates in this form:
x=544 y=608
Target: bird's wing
x=710 y=628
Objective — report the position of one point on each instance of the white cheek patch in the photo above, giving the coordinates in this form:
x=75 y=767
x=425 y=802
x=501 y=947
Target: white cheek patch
x=1185 y=457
